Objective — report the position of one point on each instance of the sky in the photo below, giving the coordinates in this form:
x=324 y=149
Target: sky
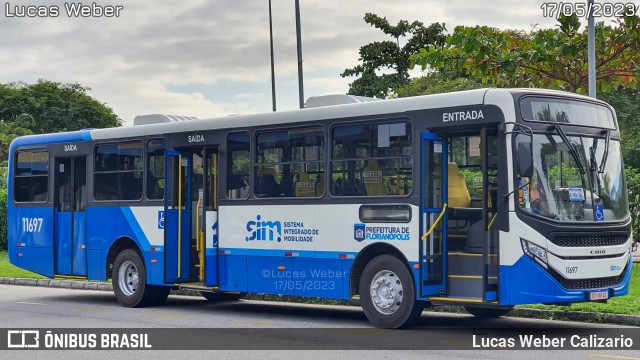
x=211 y=58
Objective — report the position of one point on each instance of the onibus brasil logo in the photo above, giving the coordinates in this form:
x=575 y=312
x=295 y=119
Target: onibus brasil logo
x=264 y=230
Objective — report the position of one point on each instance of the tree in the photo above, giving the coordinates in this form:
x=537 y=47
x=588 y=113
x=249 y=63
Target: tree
x=437 y=83
x=9 y=131
x=632 y=177
x=550 y=58
x=385 y=64
x=54 y=107
x=625 y=102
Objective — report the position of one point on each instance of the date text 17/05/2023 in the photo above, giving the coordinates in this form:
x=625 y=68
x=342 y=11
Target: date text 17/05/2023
x=583 y=10
x=77 y=10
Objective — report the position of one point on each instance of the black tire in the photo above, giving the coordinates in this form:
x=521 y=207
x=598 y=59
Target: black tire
x=391 y=313
x=131 y=288
x=221 y=297
x=488 y=313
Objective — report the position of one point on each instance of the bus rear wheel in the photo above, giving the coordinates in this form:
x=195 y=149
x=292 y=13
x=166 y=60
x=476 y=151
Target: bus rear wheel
x=129 y=280
x=488 y=313
x=387 y=293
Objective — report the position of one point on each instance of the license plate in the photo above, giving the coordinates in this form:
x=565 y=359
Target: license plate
x=599 y=294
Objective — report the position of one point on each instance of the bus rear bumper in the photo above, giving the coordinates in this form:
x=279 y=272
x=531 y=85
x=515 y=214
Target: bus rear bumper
x=526 y=282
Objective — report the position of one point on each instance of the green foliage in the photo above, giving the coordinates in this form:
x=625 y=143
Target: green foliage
x=44 y=107
x=469 y=177
x=632 y=177
x=4 y=173
x=548 y=58
x=3 y=219
x=9 y=270
x=627 y=106
x=11 y=130
x=566 y=176
x=385 y=64
x=436 y=83
x=54 y=107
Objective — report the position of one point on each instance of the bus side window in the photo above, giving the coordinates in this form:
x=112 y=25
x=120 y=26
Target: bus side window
x=155 y=169
x=31 y=182
x=371 y=159
x=238 y=165
x=283 y=156
x=118 y=171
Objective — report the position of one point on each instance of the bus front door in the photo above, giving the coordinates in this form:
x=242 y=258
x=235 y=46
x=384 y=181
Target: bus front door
x=70 y=234
x=433 y=261
x=177 y=229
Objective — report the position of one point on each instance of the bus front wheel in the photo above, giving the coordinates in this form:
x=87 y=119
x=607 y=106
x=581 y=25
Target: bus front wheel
x=488 y=313
x=129 y=281
x=387 y=293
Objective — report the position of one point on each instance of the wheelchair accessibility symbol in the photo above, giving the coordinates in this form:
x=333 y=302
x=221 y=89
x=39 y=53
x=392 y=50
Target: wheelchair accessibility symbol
x=599 y=209
x=160 y=219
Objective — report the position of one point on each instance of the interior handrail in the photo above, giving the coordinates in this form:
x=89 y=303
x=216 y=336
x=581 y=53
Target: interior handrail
x=444 y=209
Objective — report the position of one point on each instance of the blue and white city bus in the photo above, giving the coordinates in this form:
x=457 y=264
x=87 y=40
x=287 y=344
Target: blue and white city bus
x=339 y=202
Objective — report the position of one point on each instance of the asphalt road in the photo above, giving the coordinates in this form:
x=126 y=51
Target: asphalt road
x=256 y=324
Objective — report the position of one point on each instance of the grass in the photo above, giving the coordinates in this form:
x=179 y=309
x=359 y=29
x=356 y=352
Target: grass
x=8 y=270
x=629 y=304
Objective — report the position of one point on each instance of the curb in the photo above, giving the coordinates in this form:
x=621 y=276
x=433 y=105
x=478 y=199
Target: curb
x=605 y=318
x=76 y=284
x=618 y=319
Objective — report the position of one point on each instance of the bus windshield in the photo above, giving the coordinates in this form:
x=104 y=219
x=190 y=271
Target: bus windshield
x=559 y=190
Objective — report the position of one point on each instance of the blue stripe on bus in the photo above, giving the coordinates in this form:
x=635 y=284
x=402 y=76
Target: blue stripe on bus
x=135 y=227
x=526 y=282
x=82 y=135
x=280 y=252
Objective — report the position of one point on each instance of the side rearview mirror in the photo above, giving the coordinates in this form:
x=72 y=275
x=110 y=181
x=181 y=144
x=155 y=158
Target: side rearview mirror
x=525 y=156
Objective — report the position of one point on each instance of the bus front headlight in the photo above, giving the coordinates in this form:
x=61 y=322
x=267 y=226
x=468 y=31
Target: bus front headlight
x=534 y=251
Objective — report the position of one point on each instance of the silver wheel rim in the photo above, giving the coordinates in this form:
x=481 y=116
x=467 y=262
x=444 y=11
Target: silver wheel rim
x=128 y=278
x=386 y=292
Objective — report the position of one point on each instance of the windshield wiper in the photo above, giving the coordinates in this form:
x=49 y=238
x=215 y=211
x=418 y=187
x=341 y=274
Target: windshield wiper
x=572 y=150
x=606 y=152
x=593 y=164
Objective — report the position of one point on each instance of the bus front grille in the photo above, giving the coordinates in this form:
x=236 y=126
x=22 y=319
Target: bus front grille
x=589 y=240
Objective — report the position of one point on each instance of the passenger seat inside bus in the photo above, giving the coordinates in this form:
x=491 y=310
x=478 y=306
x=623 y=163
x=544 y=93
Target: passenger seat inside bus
x=303 y=186
x=267 y=185
x=154 y=190
x=460 y=214
x=372 y=178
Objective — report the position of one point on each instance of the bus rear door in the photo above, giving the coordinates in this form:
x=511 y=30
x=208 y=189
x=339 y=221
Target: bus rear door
x=70 y=203
x=209 y=224
x=177 y=229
